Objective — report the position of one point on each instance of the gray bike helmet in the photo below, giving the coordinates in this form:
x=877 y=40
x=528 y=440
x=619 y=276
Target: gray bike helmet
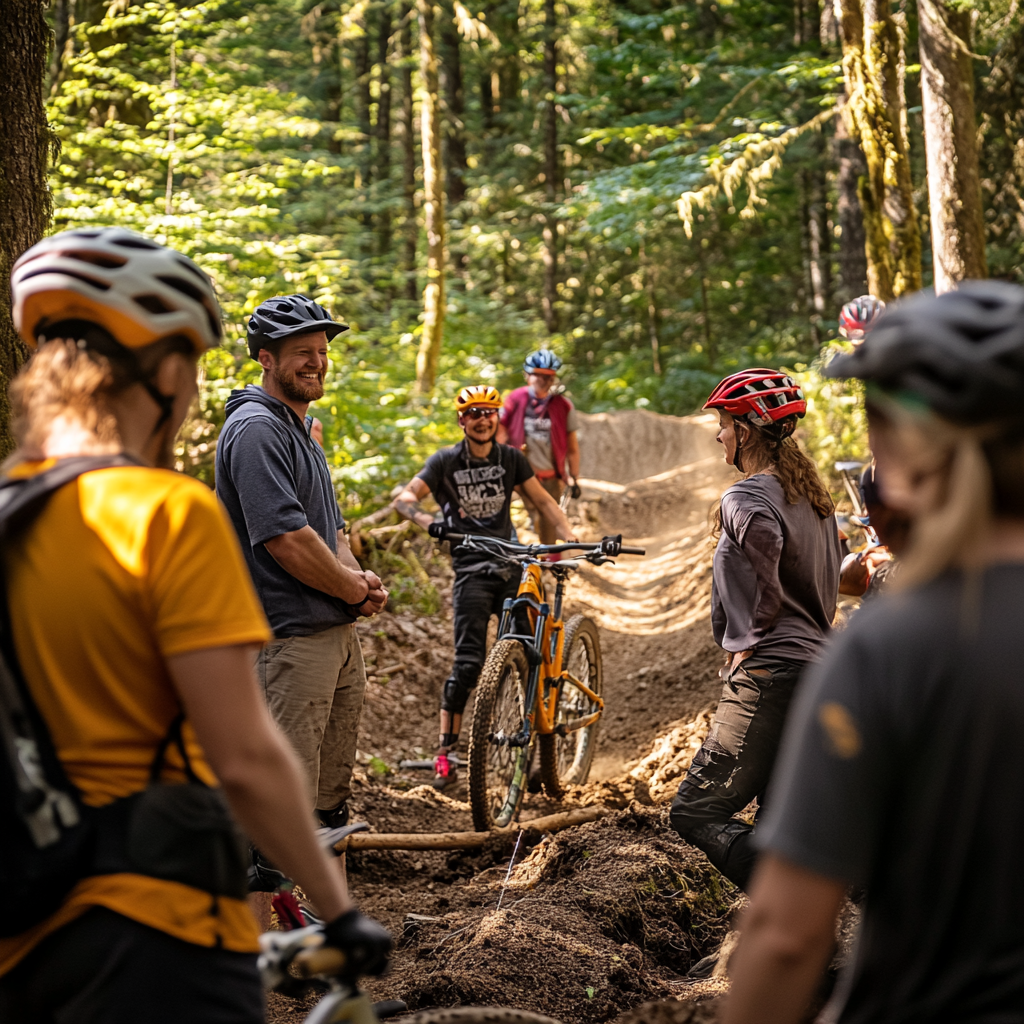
x=542 y=361
x=961 y=353
x=284 y=317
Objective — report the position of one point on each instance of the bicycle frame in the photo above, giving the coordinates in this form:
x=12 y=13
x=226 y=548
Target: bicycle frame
x=544 y=651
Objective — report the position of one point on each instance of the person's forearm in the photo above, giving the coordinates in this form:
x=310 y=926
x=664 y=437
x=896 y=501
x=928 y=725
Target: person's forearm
x=267 y=796
x=345 y=556
x=786 y=939
x=304 y=554
x=573 y=457
x=407 y=506
x=551 y=511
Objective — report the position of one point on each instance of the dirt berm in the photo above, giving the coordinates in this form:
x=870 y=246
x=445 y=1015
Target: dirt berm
x=601 y=918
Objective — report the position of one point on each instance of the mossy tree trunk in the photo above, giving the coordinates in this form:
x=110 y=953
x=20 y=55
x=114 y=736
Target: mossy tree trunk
x=876 y=115
x=433 y=205
x=950 y=132
x=24 y=195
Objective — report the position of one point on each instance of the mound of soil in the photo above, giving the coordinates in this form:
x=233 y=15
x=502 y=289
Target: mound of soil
x=591 y=921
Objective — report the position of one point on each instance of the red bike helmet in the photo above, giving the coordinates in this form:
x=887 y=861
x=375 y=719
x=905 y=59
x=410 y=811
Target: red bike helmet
x=760 y=396
x=859 y=316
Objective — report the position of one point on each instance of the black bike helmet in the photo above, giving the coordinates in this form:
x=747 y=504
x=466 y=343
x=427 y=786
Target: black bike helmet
x=961 y=353
x=542 y=361
x=284 y=317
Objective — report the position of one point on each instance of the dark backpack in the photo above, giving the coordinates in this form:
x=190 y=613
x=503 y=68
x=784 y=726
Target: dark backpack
x=49 y=839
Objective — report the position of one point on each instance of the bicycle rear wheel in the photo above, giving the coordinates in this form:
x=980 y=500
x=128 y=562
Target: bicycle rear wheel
x=566 y=760
x=476 y=1015
x=498 y=770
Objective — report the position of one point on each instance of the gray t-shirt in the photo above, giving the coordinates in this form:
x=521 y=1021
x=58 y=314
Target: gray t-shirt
x=273 y=478
x=902 y=769
x=537 y=425
x=776 y=572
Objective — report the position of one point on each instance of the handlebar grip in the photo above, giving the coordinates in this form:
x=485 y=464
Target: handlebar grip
x=632 y=551
x=454 y=536
x=324 y=960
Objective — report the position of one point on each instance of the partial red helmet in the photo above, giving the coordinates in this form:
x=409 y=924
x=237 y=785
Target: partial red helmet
x=759 y=395
x=859 y=316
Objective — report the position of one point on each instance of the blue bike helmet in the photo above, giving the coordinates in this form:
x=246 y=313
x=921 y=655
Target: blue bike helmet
x=542 y=361
x=284 y=317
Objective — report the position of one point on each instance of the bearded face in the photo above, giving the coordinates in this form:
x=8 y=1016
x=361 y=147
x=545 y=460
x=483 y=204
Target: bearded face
x=300 y=367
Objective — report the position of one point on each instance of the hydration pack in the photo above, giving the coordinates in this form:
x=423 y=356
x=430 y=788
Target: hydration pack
x=49 y=839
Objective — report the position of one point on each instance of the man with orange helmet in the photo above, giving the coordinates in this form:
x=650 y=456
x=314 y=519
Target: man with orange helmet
x=773 y=597
x=473 y=482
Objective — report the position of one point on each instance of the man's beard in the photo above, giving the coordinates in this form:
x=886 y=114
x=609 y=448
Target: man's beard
x=298 y=390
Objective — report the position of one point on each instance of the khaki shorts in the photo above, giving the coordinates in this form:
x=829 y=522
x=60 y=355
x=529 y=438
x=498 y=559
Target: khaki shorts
x=314 y=688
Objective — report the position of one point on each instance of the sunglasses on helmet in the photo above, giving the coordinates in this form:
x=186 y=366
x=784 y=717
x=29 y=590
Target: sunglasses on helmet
x=477 y=413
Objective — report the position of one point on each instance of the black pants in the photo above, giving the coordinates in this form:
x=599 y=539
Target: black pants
x=734 y=764
x=476 y=596
x=106 y=969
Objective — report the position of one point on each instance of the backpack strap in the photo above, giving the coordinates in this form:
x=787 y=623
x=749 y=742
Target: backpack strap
x=173 y=735
x=46 y=799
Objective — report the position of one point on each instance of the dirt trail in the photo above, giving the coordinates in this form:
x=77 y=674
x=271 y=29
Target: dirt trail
x=600 y=919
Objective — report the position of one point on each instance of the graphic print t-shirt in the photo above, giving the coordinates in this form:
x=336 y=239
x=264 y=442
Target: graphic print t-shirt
x=475 y=494
x=537 y=425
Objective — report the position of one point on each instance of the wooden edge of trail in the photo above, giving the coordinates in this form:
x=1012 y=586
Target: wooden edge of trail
x=466 y=840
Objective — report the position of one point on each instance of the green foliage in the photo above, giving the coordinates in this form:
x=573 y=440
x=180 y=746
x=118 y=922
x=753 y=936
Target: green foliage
x=260 y=156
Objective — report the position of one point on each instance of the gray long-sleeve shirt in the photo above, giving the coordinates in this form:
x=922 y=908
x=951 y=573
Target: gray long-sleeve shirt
x=776 y=572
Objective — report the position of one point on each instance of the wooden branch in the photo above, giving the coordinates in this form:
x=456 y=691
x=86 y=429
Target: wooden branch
x=466 y=840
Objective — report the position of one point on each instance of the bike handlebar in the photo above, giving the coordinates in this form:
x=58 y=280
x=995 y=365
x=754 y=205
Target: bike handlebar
x=608 y=546
x=325 y=960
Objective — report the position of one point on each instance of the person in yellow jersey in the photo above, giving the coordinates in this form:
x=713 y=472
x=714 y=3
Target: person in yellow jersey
x=132 y=612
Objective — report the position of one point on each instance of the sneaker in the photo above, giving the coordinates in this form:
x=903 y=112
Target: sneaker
x=338 y=818
x=445 y=772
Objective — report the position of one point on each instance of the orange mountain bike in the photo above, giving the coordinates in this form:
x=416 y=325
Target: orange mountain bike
x=541 y=683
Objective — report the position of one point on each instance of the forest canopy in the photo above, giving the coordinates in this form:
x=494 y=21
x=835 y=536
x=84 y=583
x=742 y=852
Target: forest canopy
x=660 y=192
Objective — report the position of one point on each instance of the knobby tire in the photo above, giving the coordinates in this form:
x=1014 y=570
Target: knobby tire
x=580 y=632
x=505 y=661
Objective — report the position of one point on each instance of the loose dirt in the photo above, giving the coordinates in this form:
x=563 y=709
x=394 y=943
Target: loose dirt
x=602 y=919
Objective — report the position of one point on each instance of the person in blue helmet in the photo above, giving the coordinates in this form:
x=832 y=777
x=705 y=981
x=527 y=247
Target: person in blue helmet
x=543 y=424
x=273 y=479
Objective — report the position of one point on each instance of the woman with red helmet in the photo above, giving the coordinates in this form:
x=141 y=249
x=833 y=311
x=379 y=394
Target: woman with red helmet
x=774 y=586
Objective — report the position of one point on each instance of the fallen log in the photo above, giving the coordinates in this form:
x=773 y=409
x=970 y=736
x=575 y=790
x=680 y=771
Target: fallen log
x=466 y=840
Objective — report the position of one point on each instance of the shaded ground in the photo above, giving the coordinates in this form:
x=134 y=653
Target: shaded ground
x=600 y=919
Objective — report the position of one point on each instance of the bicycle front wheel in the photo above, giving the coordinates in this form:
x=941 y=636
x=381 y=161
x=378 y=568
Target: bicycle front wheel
x=566 y=760
x=498 y=768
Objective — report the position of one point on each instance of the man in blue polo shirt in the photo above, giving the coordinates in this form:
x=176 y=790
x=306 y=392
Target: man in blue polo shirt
x=274 y=481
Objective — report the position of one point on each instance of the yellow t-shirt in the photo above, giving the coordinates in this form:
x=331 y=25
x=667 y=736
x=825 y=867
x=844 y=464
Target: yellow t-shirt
x=124 y=568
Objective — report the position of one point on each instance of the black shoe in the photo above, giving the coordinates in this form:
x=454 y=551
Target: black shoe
x=338 y=818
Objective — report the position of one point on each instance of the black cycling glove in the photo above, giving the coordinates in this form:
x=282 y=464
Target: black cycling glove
x=437 y=529
x=364 y=942
x=575 y=491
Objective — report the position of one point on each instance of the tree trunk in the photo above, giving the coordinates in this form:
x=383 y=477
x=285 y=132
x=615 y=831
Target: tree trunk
x=950 y=133
x=63 y=14
x=850 y=168
x=550 y=249
x=410 y=229
x=650 y=288
x=383 y=174
x=487 y=98
x=455 y=112
x=363 y=71
x=433 y=205
x=25 y=203
x=876 y=113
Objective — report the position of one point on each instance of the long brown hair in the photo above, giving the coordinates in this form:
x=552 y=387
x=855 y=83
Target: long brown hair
x=774 y=449
x=65 y=383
